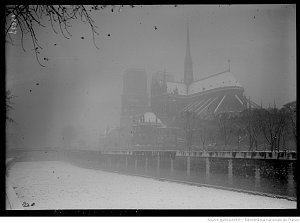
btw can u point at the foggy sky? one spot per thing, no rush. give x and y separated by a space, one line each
82 86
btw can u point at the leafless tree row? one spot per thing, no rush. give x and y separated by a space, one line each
267 129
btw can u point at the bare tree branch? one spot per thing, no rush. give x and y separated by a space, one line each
9 106
29 17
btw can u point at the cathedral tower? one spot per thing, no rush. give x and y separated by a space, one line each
134 97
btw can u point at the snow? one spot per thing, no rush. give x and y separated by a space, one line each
58 185
215 81
225 79
151 117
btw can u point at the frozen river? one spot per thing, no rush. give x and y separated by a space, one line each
59 185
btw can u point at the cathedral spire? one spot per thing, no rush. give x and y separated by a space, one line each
188 64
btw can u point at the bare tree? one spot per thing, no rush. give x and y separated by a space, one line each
203 135
272 124
238 126
8 106
225 125
249 122
29 17
291 112
188 124
205 130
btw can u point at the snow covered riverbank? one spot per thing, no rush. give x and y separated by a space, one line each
58 185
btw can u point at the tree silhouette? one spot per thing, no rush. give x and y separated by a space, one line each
272 123
188 125
29 17
8 106
205 130
225 125
291 111
249 123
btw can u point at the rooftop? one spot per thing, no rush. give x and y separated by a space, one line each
219 80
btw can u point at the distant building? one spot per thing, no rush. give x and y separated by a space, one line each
134 103
149 132
161 75
134 97
159 125
212 94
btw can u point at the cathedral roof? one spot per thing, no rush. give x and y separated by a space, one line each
224 79
219 80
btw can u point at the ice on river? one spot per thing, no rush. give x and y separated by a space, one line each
59 185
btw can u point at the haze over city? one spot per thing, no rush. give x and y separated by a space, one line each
82 86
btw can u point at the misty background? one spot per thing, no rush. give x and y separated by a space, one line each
81 86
